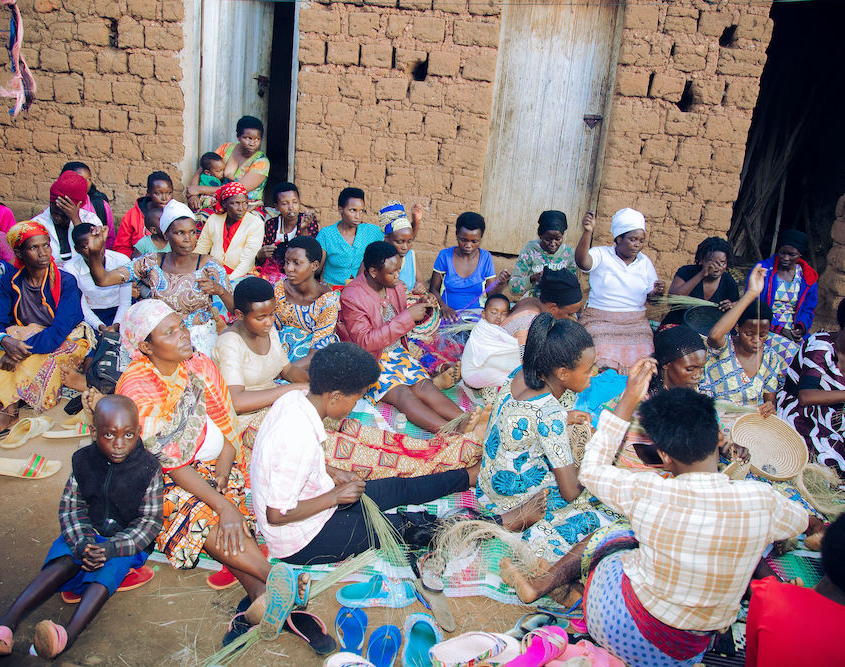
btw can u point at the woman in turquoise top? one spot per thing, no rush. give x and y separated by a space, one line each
346 240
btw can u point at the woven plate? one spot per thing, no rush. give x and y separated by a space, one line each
702 318
777 451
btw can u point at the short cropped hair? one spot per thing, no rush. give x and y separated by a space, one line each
158 176
349 193
75 165
284 187
498 295
377 253
79 232
682 423
252 290
209 159
552 344
249 123
342 367
313 249
470 221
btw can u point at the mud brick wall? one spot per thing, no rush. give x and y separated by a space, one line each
108 75
687 80
362 119
832 281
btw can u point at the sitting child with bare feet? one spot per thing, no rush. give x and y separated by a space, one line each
816 615
110 515
309 512
661 585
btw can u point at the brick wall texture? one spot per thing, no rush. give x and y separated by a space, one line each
108 94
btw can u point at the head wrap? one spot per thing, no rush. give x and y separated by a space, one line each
626 220
139 321
172 211
392 217
16 237
229 190
675 343
559 287
793 237
72 185
551 221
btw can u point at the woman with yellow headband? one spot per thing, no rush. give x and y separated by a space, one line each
41 323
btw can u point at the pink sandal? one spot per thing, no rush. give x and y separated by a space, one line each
597 656
541 646
50 639
7 640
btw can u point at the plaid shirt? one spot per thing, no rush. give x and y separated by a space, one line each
137 536
701 534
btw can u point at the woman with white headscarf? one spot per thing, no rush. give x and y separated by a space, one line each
622 278
185 280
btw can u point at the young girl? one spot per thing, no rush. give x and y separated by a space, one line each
547 250
527 448
154 241
622 278
401 232
741 368
132 227
465 271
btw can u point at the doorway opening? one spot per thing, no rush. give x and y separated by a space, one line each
794 169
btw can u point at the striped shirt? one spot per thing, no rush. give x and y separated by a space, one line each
701 534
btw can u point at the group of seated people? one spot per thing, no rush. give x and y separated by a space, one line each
251 334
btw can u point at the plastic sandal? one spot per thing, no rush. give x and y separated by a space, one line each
281 596
350 626
346 659
7 640
135 578
421 633
530 622
438 604
221 580
80 430
24 430
383 647
470 648
35 467
377 592
540 647
312 629
50 639
237 626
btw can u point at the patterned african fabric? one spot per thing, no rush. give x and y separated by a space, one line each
188 520
785 299
397 367
303 328
725 379
257 162
821 426
526 441
372 453
533 259
784 347
173 409
272 268
621 338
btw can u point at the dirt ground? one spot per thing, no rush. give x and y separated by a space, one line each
176 619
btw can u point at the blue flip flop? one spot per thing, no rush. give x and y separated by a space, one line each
350 626
282 595
383 647
421 633
377 592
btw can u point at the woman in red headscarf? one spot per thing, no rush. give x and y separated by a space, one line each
233 236
41 324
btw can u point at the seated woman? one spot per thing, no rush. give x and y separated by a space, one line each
245 163
345 241
182 278
740 367
375 315
706 279
306 308
546 251
791 290
465 272
97 202
527 447
293 220
401 232
308 511
188 421
813 396
41 324
622 278
233 237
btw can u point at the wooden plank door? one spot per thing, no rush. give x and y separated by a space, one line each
554 66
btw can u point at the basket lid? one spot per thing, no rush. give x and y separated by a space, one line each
777 450
702 318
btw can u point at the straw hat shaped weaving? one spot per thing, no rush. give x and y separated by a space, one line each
777 451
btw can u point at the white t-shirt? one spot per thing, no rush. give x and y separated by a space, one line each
100 298
55 247
618 287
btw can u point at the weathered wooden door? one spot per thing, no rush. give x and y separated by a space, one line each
552 84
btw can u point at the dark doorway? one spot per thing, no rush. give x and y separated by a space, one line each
794 168
279 103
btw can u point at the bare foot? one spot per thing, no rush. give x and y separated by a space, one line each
8 416
447 378
522 583
72 378
471 420
479 432
90 398
814 542
526 514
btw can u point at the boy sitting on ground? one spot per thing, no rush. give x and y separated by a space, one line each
110 515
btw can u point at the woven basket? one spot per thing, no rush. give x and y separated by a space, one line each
777 451
702 318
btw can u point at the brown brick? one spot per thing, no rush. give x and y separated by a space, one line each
142 9
653 207
109 9
339 114
339 170
414 4
319 20
396 25
480 67
141 64
685 124
67 89
742 62
472 98
428 93
690 57
45 141
317 83
173 10
728 159
429 29
695 153
97 90
451 6
466 187
69 143
97 145
363 24
18 139
633 51
680 24
716 187
474 33
82 62
355 146
422 151
673 182
391 89
342 53
408 59
375 118
85 118
758 28
659 151
624 146
733 129
162 152
381 3
46 6
313 140
713 23
162 96
167 68
307 168
142 123
641 17
465 157
742 92
355 86
631 83
312 50
114 120
667 87
111 61
130 33
169 125
707 91
716 216
56 119
165 37
388 148
443 63
53 60
636 119
44 89
376 55
405 122
624 176
126 92
93 32
440 125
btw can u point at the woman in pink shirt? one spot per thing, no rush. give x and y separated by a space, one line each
7 221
